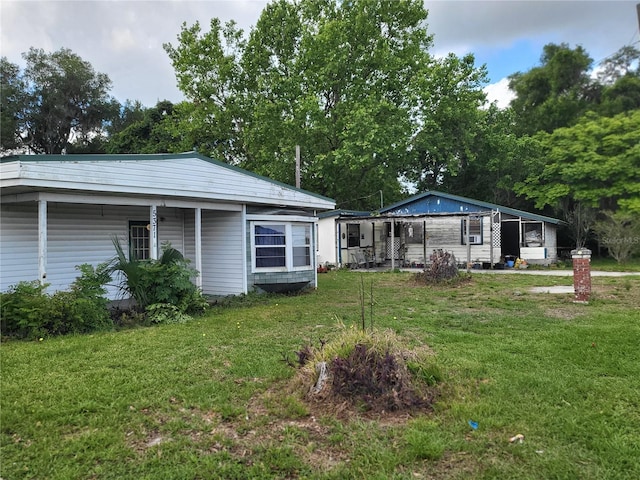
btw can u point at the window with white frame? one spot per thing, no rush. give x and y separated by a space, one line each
475 231
301 236
281 246
139 240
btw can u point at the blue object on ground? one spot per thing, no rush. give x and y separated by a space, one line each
473 424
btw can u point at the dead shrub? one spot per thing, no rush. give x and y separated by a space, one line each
371 371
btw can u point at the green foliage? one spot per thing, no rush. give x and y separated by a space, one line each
25 309
619 232
167 280
596 163
164 313
28 312
352 83
449 123
148 131
12 102
61 94
554 94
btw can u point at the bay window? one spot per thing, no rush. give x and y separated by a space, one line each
281 246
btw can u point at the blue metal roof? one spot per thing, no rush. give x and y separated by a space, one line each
440 202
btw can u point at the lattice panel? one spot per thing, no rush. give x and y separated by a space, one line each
496 238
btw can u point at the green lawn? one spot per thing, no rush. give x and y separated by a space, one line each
212 398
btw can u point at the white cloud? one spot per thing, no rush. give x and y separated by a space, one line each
122 39
499 92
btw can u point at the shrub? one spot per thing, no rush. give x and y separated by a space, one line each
166 280
370 369
443 267
28 312
24 310
163 313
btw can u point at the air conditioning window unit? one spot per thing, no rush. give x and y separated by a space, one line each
475 239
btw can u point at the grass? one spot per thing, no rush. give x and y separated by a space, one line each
210 399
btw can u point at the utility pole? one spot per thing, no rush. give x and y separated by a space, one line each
297 166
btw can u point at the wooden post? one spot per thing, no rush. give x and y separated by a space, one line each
424 244
393 244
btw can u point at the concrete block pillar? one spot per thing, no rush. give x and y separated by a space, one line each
581 274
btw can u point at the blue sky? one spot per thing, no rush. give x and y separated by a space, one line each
124 38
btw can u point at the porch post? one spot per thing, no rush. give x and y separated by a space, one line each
42 241
153 224
468 233
393 244
198 246
424 244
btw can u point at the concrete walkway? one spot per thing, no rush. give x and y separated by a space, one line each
523 271
555 273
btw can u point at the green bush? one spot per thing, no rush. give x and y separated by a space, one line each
163 313
167 280
25 310
28 312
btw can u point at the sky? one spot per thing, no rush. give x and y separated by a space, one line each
124 38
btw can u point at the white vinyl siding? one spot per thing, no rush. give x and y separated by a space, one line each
222 253
18 244
76 234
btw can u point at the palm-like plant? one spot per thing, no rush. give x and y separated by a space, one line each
132 273
167 280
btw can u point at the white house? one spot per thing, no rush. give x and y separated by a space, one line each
240 230
406 233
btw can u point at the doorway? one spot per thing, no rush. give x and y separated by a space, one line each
510 232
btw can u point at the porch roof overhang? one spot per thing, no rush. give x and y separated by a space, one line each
409 217
186 177
91 198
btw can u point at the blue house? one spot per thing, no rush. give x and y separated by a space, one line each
406 233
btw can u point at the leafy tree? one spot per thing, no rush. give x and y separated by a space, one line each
449 118
146 131
625 62
347 81
12 102
556 93
64 99
595 163
622 96
619 232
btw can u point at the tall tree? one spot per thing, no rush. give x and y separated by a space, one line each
65 100
12 104
148 130
449 123
556 93
624 62
595 163
344 80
